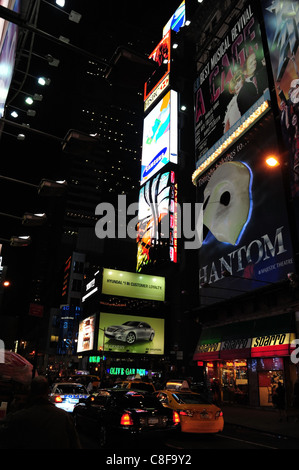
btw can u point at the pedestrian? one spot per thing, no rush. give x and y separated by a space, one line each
279 400
40 424
296 398
216 392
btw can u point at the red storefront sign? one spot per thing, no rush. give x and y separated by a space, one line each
272 345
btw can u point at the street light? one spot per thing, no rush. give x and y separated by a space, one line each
272 161
28 218
52 188
19 241
45 187
34 219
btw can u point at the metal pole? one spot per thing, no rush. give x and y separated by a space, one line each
16 18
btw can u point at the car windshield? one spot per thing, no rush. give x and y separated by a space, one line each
189 399
143 386
131 323
135 400
67 389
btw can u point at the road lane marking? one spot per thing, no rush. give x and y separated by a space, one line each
246 442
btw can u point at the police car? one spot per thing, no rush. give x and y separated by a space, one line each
66 395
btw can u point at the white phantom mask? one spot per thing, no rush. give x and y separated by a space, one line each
226 205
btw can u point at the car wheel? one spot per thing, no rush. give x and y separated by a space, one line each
152 336
131 338
103 436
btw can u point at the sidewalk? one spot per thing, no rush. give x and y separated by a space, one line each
262 420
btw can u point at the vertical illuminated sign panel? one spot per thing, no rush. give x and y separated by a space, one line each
177 20
282 28
157 226
159 80
8 44
160 137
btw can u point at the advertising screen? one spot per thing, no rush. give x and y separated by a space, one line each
86 334
131 334
158 80
160 137
282 28
157 221
8 44
126 284
177 20
246 243
230 83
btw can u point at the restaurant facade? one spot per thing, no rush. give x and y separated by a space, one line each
250 358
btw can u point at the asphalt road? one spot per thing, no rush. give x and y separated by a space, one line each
233 437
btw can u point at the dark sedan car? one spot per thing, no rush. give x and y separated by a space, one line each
113 413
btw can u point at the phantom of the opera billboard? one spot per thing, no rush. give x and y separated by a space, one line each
246 238
231 81
131 334
157 221
282 28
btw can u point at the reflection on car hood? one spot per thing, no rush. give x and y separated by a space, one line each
119 327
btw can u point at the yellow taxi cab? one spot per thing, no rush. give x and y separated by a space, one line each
197 415
136 384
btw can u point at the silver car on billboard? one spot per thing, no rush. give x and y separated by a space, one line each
130 331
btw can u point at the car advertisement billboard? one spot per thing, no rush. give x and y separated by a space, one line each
231 81
157 221
282 29
160 137
131 334
246 242
86 334
126 284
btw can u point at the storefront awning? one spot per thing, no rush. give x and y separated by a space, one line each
266 337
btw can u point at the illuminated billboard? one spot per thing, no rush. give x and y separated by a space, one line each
159 80
157 221
86 334
231 84
160 137
177 20
126 284
8 44
131 334
282 28
243 247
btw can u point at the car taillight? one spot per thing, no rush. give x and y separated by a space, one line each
176 417
219 414
187 413
126 420
58 399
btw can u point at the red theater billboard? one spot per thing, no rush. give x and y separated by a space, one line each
232 81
